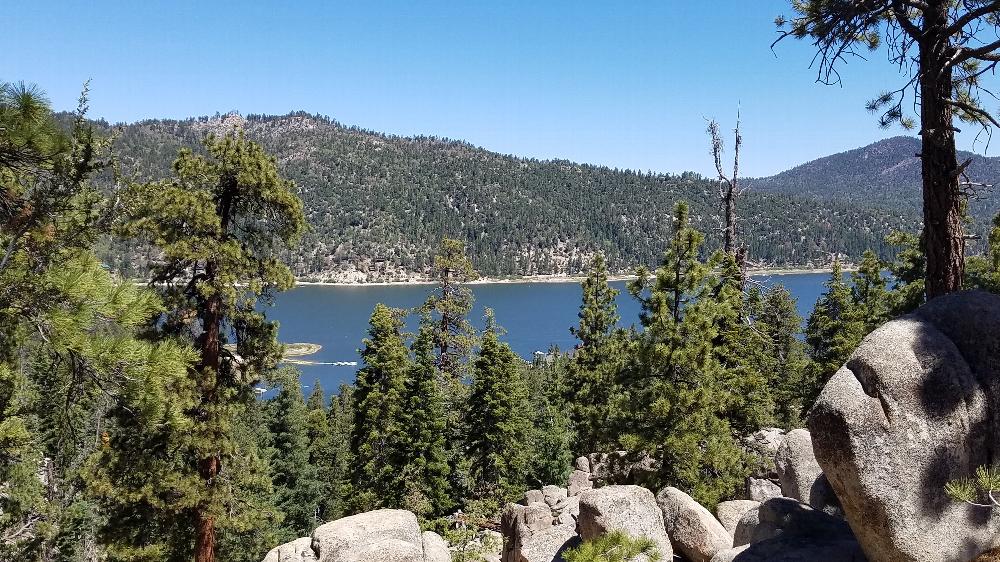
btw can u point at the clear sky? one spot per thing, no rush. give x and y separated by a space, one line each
625 83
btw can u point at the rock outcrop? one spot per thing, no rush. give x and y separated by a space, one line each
386 535
630 509
786 530
796 466
692 529
299 550
916 405
729 513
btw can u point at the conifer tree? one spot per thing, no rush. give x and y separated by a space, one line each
379 440
943 48
426 469
675 399
219 225
552 436
869 293
339 457
779 320
983 272
496 421
908 271
597 359
451 304
297 488
832 333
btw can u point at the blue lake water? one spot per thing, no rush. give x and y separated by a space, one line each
535 315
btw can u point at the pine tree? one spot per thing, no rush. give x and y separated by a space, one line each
451 304
676 400
297 488
219 224
942 47
496 421
379 440
340 419
983 272
596 361
552 436
908 272
869 293
779 320
426 470
832 333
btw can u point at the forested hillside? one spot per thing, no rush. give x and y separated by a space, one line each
884 172
378 204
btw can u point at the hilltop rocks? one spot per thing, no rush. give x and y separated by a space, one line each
692 529
909 411
630 509
760 489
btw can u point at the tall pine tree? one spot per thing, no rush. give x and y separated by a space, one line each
380 434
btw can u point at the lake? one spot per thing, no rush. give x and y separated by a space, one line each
535 316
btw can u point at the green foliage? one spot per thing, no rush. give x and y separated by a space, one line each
551 436
298 490
426 469
785 355
338 457
615 546
380 436
372 197
872 305
218 226
591 377
678 397
496 422
972 490
833 331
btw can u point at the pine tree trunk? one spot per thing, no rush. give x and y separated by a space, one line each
943 232
208 467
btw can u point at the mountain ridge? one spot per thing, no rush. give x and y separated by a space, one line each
378 203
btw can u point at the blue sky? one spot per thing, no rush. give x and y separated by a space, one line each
625 83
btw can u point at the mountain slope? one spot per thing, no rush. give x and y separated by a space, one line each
378 204
887 171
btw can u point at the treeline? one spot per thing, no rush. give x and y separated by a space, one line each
377 205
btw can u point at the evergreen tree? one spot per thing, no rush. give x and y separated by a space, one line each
297 488
451 304
551 438
869 293
908 272
779 320
340 458
597 359
380 434
426 470
219 225
497 425
832 333
676 402
942 47
983 272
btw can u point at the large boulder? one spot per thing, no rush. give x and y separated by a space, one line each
910 411
388 535
528 537
579 481
299 550
785 530
730 512
630 509
692 529
761 489
435 548
796 466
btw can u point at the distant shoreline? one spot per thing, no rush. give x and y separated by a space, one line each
532 279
